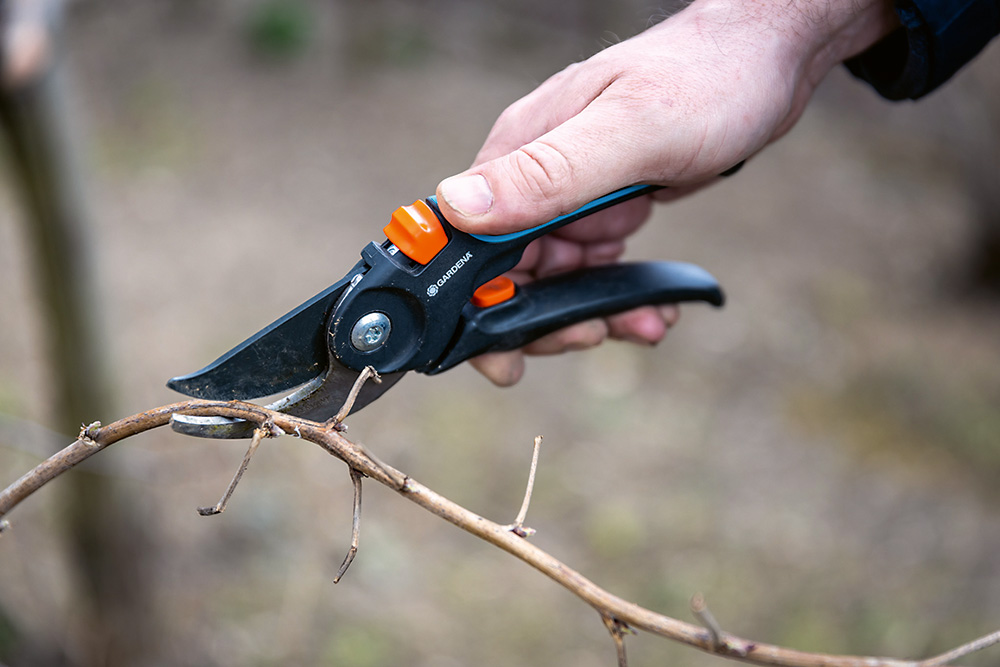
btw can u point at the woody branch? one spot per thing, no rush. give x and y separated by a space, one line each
619 615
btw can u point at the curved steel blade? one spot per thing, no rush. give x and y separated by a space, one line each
317 400
323 398
285 354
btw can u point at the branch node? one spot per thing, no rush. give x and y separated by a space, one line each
89 432
704 615
398 478
4 525
618 629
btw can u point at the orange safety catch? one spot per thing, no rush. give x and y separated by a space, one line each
416 231
495 291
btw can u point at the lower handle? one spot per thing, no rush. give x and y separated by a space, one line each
554 303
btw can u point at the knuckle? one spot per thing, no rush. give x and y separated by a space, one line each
513 115
503 369
544 171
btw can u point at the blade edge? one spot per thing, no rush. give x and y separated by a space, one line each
285 354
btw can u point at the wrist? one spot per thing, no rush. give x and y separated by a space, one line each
852 27
812 36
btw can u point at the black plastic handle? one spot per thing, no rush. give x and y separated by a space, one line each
551 304
424 303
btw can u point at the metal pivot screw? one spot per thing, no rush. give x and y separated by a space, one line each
370 332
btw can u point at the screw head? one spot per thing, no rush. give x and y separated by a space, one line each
370 332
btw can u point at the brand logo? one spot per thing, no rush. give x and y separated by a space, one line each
435 287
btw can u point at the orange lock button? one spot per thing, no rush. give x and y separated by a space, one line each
416 231
495 291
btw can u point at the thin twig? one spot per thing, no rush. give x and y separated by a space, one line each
355 527
965 649
704 615
518 527
220 507
367 373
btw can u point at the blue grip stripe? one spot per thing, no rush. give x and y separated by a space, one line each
585 210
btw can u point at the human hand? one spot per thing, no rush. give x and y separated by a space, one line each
676 105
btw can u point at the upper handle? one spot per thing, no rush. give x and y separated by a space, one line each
525 236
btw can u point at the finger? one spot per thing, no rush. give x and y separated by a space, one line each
676 192
612 223
501 368
644 326
671 314
556 255
598 254
600 234
557 99
577 337
557 173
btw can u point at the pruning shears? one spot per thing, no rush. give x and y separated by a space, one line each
426 299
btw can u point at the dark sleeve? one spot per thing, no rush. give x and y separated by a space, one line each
936 39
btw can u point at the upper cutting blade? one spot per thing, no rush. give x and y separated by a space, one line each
285 354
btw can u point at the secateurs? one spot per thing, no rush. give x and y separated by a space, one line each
426 299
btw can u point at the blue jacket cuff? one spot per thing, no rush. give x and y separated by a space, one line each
936 39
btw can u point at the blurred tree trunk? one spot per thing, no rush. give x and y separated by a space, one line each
105 537
982 177
971 130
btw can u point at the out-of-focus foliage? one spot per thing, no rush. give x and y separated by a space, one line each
280 28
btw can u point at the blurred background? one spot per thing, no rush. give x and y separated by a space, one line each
820 458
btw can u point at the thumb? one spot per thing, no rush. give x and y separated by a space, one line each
576 162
